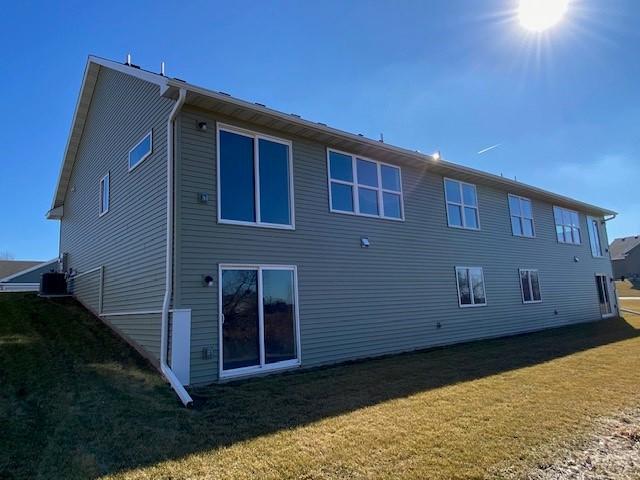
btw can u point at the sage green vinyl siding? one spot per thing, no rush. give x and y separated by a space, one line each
129 240
397 295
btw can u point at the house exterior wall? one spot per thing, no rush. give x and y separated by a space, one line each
397 295
629 267
129 240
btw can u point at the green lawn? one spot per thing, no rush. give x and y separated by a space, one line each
627 288
77 403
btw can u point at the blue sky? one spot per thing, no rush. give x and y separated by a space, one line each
452 75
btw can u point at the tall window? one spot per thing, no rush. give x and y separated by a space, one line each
104 195
258 318
471 291
462 204
255 185
594 237
521 216
567 225
364 187
141 151
530 285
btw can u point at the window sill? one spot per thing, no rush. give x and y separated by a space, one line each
354 214
474 305
254 224
464 228
257 370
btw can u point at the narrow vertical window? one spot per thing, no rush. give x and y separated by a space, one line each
104 195
471 291
567 225
462 204
594 237
364 187
530 285
254 179
521 213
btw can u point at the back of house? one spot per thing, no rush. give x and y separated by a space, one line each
293 244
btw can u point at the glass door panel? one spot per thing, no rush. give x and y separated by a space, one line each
603 295
240 321
279 315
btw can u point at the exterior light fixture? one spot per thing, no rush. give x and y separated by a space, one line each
202 126
208 281
364 242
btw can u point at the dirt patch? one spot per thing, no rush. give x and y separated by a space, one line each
611 451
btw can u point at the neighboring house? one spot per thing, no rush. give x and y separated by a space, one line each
228 239
625 257
23 276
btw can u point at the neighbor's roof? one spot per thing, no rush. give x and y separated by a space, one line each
621 246
289 123
8 268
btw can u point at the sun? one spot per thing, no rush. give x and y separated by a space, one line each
539 15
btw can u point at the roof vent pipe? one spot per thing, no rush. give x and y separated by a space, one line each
162 68
164 338
128 60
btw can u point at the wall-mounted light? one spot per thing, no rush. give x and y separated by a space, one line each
208 281
364 242
203 197
202 126
576 259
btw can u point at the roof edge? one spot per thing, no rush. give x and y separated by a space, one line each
28 270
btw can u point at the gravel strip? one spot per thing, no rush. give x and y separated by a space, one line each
612 451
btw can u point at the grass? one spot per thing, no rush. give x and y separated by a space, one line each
627 288
77 403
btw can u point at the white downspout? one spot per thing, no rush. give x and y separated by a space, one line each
164 344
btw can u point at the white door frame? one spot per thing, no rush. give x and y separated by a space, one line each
263 367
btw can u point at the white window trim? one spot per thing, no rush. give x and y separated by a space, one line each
555 225
533 223
472 304
146 155
590 227
263 367
106 180
462 205
354 187
256 173
520 270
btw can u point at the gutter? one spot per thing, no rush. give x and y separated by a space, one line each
185 398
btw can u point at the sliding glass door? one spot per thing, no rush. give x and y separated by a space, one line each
604 298
258 318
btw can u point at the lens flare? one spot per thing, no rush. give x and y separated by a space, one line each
539 15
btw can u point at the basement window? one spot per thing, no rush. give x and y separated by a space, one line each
471 291
141 151
530 285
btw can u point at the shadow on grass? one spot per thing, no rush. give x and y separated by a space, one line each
82 404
